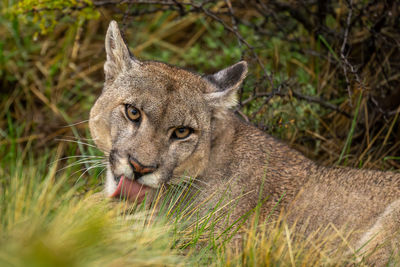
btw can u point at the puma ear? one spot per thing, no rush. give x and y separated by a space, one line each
118 56
224 85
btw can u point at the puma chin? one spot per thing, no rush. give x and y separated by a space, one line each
145 122
112 180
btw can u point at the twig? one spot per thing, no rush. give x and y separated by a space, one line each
300 96
343 57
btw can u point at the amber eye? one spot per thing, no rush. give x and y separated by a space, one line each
132 113
182 132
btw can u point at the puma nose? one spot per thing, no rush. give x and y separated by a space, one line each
139 168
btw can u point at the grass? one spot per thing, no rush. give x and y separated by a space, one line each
46 222
43 225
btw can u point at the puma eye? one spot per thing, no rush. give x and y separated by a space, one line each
132 113
182 132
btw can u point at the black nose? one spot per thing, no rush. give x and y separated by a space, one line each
140 169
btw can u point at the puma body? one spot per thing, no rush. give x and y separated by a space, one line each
157 123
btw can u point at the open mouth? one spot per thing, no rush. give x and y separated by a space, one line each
130 190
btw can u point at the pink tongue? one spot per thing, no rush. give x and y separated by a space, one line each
131 190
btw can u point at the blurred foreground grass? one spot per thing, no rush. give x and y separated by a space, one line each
44 223
47 222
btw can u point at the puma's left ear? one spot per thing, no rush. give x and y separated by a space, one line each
118 56
224 85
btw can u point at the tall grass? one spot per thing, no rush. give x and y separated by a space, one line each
47 222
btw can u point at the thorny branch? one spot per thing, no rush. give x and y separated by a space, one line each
345 62
310 99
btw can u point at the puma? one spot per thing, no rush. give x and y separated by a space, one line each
156 123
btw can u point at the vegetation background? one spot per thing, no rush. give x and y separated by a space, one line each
324 77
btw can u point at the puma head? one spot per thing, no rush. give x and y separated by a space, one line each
153 120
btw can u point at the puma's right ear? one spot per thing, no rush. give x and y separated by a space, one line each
222 94
118 56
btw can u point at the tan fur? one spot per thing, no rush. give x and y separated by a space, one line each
230 157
